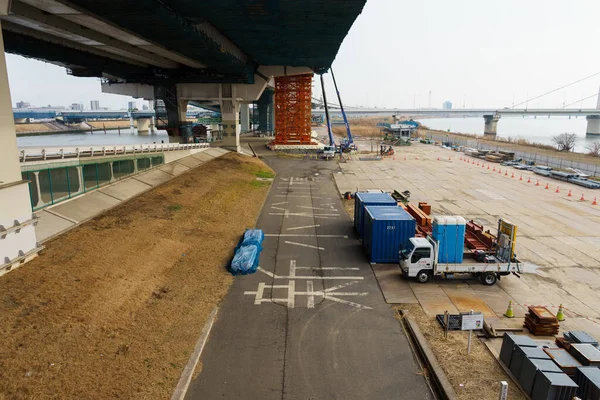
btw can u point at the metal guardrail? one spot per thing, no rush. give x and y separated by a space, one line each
99 151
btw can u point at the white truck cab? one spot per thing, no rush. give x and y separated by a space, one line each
418 255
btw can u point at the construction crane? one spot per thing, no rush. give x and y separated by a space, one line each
348 144
328 151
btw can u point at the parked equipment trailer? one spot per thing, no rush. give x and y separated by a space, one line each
419 259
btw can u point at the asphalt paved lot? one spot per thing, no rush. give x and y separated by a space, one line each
312 322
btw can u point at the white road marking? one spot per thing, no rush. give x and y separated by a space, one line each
305 245
310 299
310 293
317 208
300 235
303 227
280 203
303 214
279 208
303 197
274 276
330 268
292 268
291 294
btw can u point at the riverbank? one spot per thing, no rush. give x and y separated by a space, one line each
114 307
540 149
52 128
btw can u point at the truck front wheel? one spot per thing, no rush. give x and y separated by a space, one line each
488 278
423 276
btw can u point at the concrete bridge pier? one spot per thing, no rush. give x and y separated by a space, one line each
143 126
245 117
18 241
593 125
21 120
491 124
230 111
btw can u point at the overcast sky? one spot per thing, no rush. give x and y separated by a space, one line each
482 53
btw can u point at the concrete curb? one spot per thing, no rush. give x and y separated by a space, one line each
438 376
188 371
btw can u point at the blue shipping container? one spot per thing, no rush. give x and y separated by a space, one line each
362 199
386 229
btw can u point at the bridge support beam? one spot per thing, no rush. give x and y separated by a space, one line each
593 125
18 245
491 124
143 126
245 117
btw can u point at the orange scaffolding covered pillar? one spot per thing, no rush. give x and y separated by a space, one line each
293 109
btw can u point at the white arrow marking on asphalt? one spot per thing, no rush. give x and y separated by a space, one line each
317 208
274 276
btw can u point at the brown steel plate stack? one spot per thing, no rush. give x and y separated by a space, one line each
540 321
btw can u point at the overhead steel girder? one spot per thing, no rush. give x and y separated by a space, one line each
152 20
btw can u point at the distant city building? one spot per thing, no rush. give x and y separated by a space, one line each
447 105
145 107
132 105
77 106
23 104
94 105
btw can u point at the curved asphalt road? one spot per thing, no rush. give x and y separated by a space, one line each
312 323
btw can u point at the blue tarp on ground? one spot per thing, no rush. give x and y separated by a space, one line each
247 253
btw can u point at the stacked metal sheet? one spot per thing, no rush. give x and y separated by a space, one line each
529 369
585 353
553 386
564 360
588 380
540 321
520 354
580 337
509 341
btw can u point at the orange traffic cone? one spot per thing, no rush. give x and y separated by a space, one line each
557 190
473 161
488 166
513 175
404 158
506 173
569 195
521 177
483 165
460 158
499 171
438 159
528 179
417 157
582 198
494 168
449 158
594 202
547 187
537 183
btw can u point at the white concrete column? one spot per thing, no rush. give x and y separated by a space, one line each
245 117
36 175
15 203
80 178
593 125
143 126
131 123
231 126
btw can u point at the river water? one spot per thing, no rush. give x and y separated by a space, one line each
98 138
540 130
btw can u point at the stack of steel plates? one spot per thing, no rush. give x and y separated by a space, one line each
588 380
529 370
580 337
564 360
520 354
553 386
540 321
509 341
585 353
